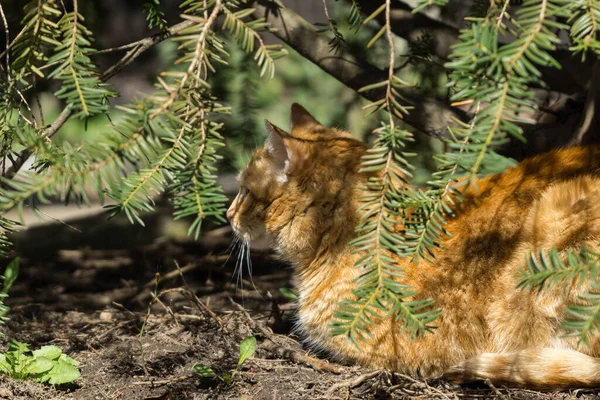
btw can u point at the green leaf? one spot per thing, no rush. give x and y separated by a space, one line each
4 365
38 365
49 352
62 372
69 360
288 293
10 274
247 349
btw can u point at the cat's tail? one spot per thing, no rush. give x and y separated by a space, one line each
538 368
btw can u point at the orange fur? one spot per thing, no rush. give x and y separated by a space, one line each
301 191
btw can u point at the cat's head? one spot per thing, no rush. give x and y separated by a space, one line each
297 185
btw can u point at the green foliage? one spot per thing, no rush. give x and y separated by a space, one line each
40 30
582 267
495 80
47 364
380 291
154 15
247 349
246 33
355 18
165 142
420 5
6 226
287 293
81 84
8 279
584 24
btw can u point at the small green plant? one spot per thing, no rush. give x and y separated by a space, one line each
46 365
247 349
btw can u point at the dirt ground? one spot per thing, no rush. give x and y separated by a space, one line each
93 300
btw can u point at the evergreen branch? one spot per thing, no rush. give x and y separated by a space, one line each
502 14
529 39
338 39
155 16
549 269
379 287
39 31
73 48
355 19
46 134
152 172
585 23
423 4
7 226
582 267
139 47
584 320
499 105
246 33
171 163
81 84
7 38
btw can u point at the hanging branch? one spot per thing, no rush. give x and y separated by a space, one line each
379 289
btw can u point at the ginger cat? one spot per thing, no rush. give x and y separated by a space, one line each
301 191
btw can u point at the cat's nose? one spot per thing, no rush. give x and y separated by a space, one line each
229 214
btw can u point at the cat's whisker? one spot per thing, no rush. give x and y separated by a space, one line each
249 266
231 248
238 264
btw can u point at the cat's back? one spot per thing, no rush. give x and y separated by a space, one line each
549 201
490 219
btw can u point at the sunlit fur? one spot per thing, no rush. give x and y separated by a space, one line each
301 192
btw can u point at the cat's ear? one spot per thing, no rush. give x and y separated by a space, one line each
286 151
302 119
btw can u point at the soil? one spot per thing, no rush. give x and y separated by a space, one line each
138 324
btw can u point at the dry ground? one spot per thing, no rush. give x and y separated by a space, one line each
93 302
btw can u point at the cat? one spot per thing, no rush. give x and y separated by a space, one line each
301 192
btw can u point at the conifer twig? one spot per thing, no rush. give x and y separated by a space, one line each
139 47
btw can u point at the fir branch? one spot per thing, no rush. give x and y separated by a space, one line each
420 5
549 269
81 84
355 18
7 227
39 32
582 267
189 87
585 23
584 316
154 15
246 33
7 38
500 77
379 290
338 39
138 48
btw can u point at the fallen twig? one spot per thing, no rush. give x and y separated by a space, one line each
190 295
498 393
353 382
